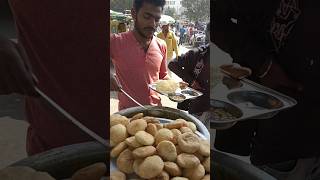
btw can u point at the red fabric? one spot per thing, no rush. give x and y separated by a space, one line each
66 42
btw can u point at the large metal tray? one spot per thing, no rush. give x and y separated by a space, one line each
253 100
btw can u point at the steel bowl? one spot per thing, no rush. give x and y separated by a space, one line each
217 123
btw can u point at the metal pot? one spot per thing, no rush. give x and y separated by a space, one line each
63 162
168 113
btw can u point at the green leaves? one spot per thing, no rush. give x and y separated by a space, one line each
196 10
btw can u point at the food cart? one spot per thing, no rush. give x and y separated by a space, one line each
62 162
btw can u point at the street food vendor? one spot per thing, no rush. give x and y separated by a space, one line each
139 58
66 51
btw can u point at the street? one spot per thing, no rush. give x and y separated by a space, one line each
13 130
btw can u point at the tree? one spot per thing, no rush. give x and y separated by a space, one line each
170 12
196 10
120 5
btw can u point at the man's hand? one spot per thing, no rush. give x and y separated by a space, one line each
195 85
15 75
277 79
183 85
114 84
167 77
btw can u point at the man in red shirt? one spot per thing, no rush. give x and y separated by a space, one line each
138 56
65 42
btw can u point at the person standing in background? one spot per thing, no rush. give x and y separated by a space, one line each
122 27
190 31
170 39
182 35
114 26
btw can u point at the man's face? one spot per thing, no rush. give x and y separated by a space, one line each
165 28
147 19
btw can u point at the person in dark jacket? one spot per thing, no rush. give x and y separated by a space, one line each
278 41
194 68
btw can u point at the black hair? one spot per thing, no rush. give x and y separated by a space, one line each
137 4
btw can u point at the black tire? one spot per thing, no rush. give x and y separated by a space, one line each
225 167
63 162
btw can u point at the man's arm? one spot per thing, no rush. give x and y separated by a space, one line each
164 71
243 39
234 25
183 65
15 75
114 86
163 74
